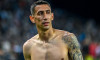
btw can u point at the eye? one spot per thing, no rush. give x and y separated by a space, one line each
40 13
48 12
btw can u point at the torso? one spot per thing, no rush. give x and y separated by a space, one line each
54 49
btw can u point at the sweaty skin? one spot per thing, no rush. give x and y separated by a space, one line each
62 46
50 43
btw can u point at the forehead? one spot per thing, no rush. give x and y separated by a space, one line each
42 7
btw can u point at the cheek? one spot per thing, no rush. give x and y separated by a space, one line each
38 18
49 16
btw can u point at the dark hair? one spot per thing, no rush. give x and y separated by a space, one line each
39 2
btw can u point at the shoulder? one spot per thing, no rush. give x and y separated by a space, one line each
61 32
66 35
27 45
70 39
69 36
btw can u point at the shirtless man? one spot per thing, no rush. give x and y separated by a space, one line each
49 43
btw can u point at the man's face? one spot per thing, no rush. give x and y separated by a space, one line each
43 16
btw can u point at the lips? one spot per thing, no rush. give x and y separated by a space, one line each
45 23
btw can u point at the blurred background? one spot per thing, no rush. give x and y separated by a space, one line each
80 17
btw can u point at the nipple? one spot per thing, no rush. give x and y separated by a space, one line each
62 58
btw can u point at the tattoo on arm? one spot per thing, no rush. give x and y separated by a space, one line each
73 47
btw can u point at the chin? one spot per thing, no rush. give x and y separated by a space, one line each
46 28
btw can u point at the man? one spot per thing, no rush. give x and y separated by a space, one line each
49 43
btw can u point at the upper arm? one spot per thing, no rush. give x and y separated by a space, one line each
26 51
73 47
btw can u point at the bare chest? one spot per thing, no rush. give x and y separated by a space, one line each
55 50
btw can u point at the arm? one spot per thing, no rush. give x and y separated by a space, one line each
26 52
73 47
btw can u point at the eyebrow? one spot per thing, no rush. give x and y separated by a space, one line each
43 10
47 10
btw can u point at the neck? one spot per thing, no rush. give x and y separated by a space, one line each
46 35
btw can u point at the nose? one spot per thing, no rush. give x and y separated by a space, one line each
45 16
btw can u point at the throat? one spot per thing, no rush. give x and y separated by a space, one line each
46 36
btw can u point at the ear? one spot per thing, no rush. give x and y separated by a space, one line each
32 19
52 16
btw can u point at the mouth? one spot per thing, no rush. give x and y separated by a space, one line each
45 23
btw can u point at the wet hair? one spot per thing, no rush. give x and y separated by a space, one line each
39 2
